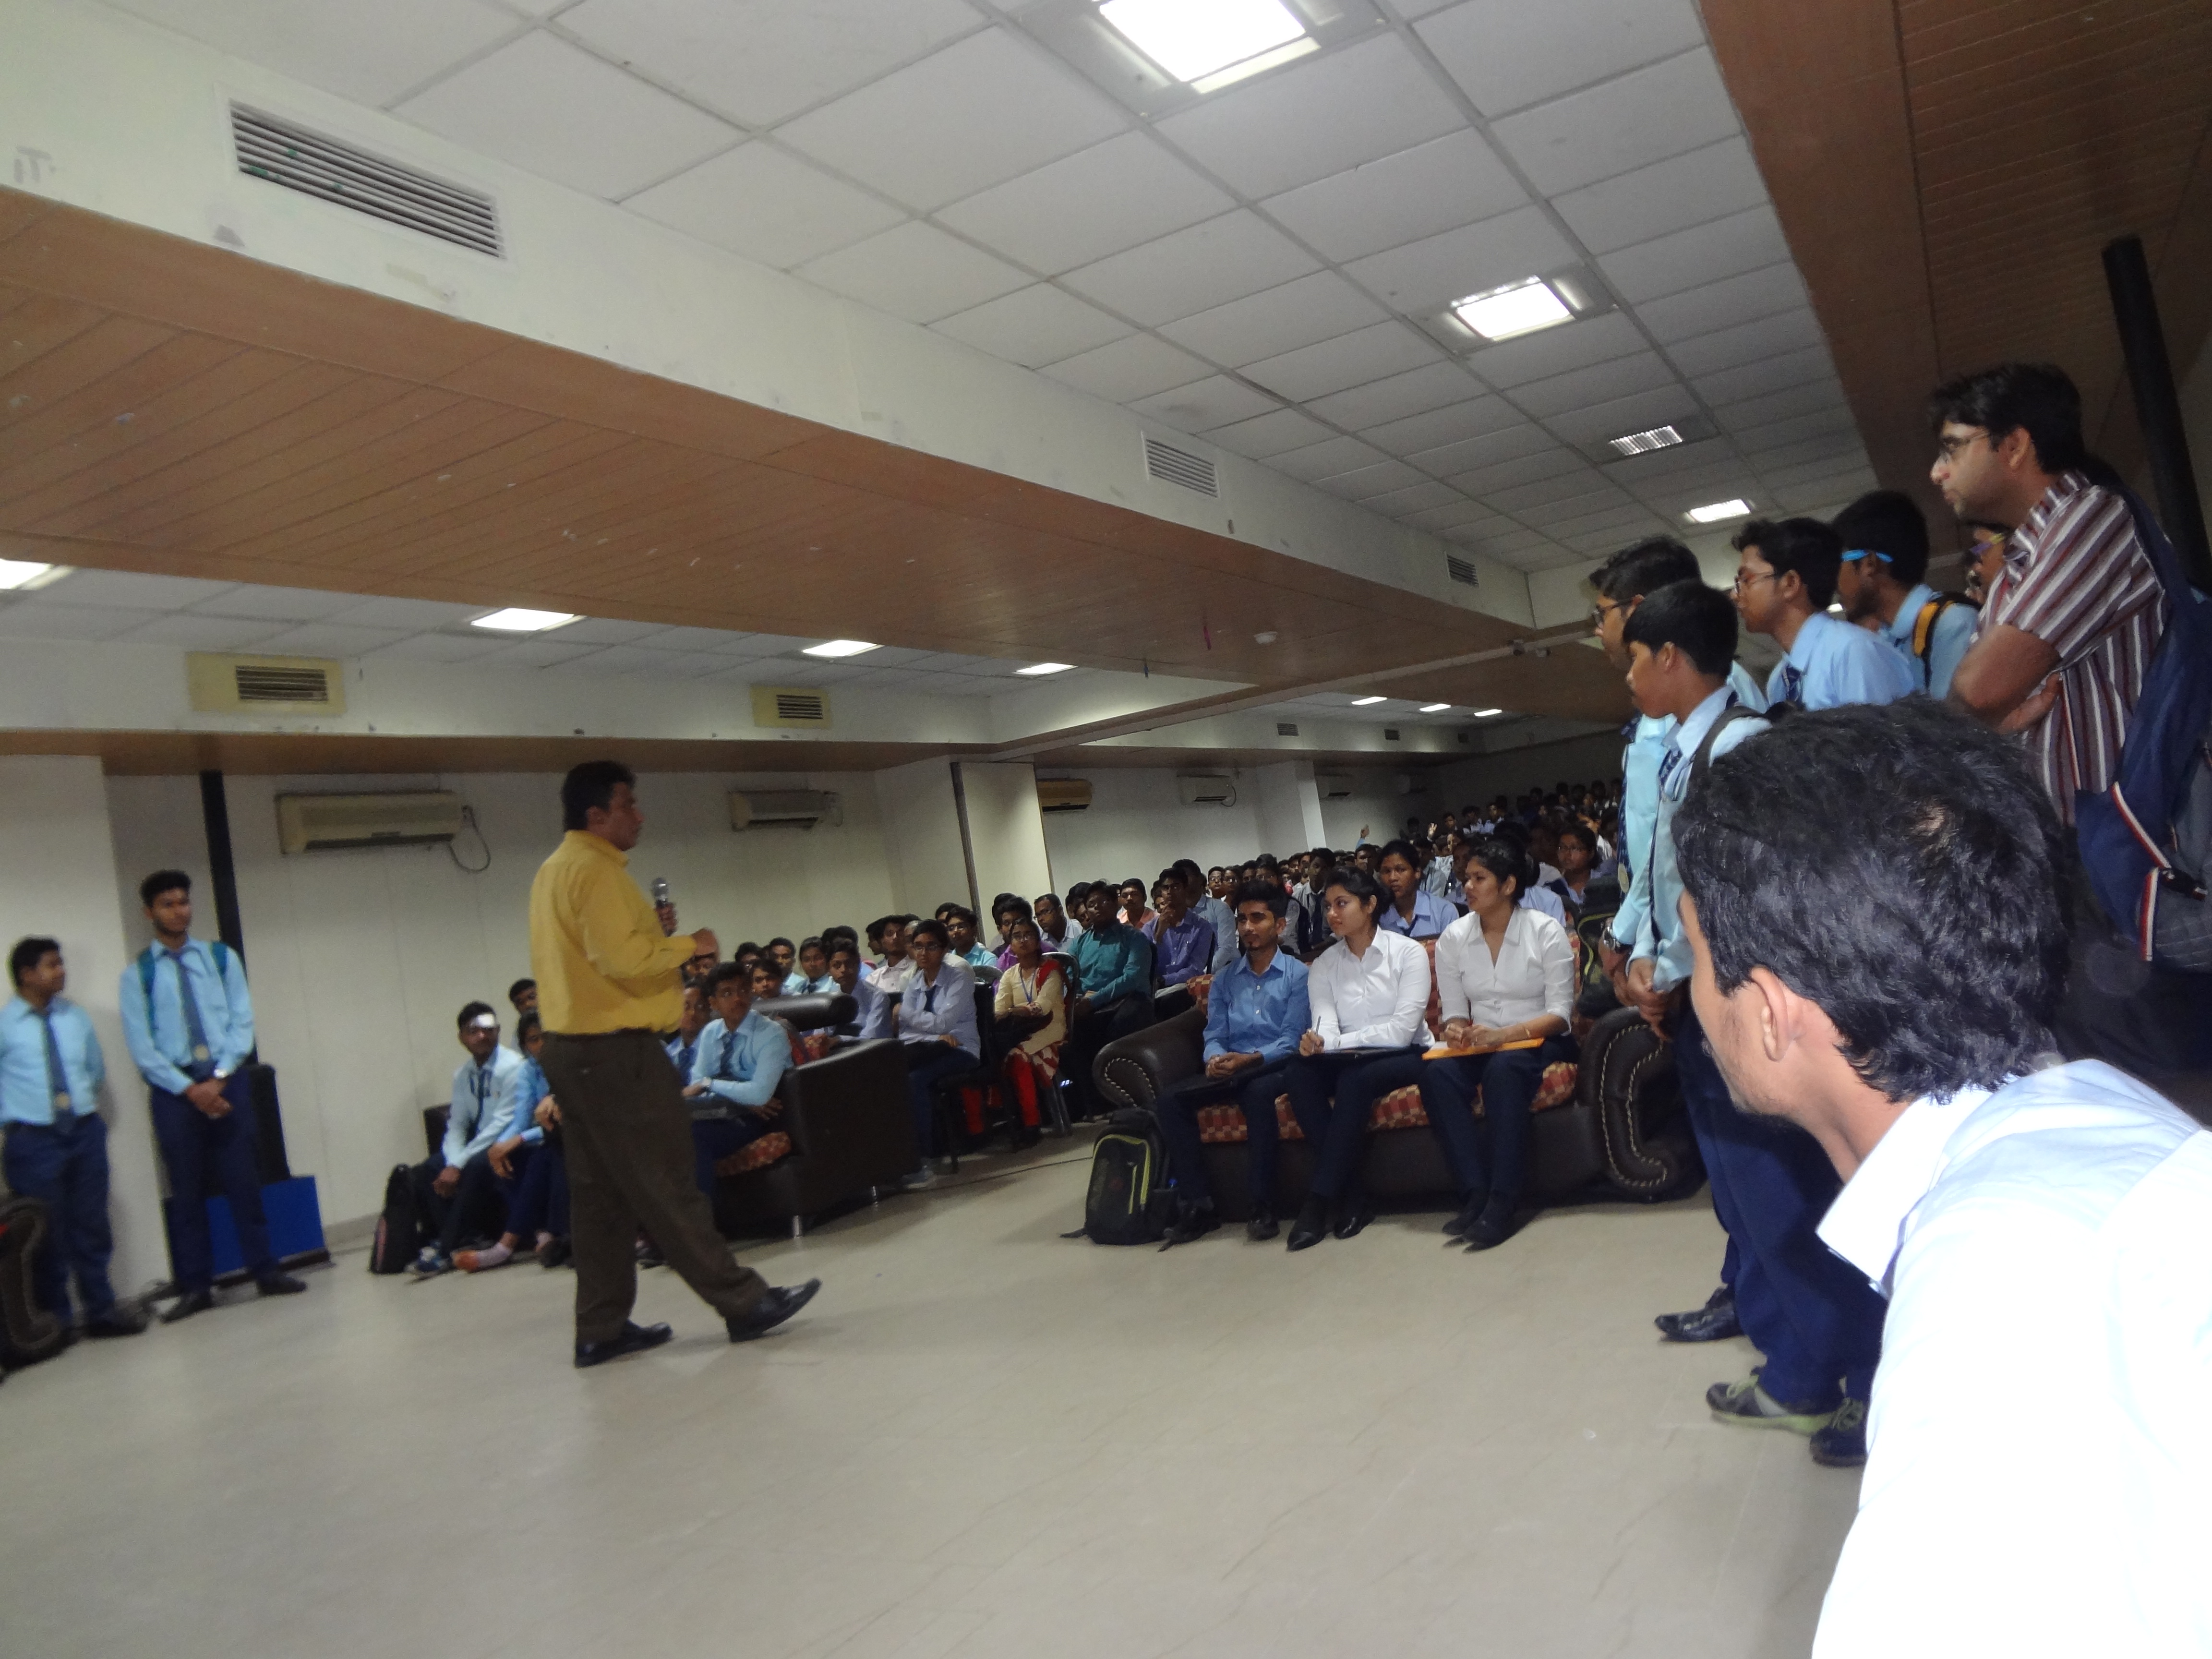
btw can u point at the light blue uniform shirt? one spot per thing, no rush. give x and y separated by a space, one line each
1639 802
483 1104
1659 935
926 1012
798 985
874 1011
27 1091
1832 663
1432 916
528 1089
156 1037
1263 1014
1947 641
1223 920
740 1067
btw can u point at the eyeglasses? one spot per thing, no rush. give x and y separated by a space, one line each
1744 579
1598 611
1949 448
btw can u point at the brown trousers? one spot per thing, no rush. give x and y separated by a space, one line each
627 1129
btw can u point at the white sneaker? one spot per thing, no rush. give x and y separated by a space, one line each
916 1180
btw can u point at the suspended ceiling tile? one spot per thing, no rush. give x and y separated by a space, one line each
195 633
759 61
1582 485
275 604
1789 368
1103 200
539 654
1621 377
133 590
1327 459
1742 242
330 640
1456 179
914 270
600 630
1216 401
1454 514
1747 342
1414 393
1270 435
442 647
1471 419
1332 112
1644 116
1672 195
1425 277
1842 448
1303 312
1362 481
1815 397
1350 359
1775 434
1506 444
1557 351
1639 413
370 54
974 114
1191 270
1128 369
551 109
1033 326
1506 54
30 619
1483 481
758 201
1723 305
1396 503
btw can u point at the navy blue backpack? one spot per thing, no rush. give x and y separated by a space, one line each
2147 841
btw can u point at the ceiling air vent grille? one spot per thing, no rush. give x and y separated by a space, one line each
331 170
1459 569
1179 466
1285 729
1390 734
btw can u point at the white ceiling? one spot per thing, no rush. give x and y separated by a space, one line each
1252 268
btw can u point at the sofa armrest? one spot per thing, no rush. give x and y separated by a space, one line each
849 1101
1133 1070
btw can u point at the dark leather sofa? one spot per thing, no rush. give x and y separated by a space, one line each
1620 1133
848 1123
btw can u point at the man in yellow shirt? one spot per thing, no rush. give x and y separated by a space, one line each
608 986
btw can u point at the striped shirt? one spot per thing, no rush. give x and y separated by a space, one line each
2076 577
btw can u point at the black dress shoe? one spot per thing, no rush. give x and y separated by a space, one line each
1261 1227
1312 1225
1457 1226
190 1303
118 1321
1027 1136
1491 1226
778 1304
1192 1222
1354 1220
635 1338
280 1284
1714 1322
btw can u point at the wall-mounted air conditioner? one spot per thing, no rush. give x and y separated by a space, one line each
1207 789
783 809
320 823
1063 795
1332 786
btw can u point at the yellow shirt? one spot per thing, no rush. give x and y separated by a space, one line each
596 948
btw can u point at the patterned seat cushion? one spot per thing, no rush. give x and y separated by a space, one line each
1398 1109
755 1155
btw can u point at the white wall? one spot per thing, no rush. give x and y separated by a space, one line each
1510 771
1005 832
925 862
61 883
360 960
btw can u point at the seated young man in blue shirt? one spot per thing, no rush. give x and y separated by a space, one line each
1254 1014
1182 940
1114 985
457 1189
742 1056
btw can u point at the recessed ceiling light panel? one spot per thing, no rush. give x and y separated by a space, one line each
519 619
18 574
1518 308
1434 708
1643 443
1484 713
1367 702
840 648
1200 41
1714 511
1040 668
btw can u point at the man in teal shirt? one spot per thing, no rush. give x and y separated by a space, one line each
1114 973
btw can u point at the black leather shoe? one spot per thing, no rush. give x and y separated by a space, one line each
1261 1227
1491 1226
118 1321
1026 1137
190 1303
649 1255
1714 1322
780 1302
1312 1225
1457 1226
1192 1222
1354 1220
280 1284
635 1338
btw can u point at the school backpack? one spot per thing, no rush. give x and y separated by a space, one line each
1924 630
400 1227
152 954
1129 1202
29 1333
2146 841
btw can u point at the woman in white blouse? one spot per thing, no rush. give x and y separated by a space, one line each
1504 974
1368 992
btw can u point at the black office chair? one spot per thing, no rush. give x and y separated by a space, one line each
987 1074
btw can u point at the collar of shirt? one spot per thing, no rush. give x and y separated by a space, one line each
1699 720
1908 615
1866 1223
2024 543
1274 968
1811 641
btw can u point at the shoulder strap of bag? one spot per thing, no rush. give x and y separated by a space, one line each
1701 761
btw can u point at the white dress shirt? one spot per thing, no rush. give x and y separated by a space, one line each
1533 974
1374 1001
2039 1449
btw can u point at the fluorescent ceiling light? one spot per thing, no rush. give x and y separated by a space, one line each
1046 668
1523 307
516 619
1365 702
1643 443
1484 713
20 572
1714 511
1210 43
1434 708
840 648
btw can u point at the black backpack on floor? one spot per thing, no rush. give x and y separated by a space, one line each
29 1333
1129 1202
399 1228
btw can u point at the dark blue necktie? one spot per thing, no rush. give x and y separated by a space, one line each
929 999
57 1074
1793 681
202 1059
729 1041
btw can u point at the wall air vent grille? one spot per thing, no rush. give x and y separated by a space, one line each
790 705
1459 569
1179 466
332 170
1285 729
267 685
1390 734
224 685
